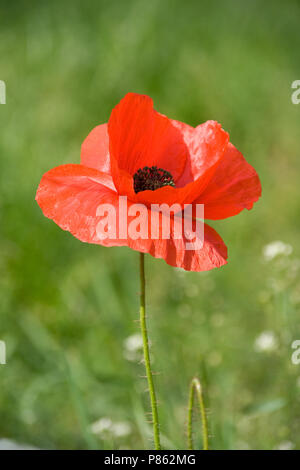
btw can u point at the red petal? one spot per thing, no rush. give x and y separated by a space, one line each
206 145
213 253
235 186
139 137
71 195
95 149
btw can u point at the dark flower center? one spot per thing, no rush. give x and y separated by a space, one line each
151 178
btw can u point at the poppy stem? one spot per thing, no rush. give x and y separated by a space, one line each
147 354
196 389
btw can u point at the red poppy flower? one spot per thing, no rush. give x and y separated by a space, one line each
150 159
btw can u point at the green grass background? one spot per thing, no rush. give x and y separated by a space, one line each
66 307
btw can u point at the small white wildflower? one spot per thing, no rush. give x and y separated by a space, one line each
121 429
276 248
266 341
8 444
102 426
286 445
134 342
133 346
105 426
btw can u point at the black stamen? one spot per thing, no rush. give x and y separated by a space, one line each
151 179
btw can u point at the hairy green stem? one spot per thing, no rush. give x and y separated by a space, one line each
196 389
147 354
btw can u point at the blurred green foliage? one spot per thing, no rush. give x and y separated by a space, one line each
66 307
